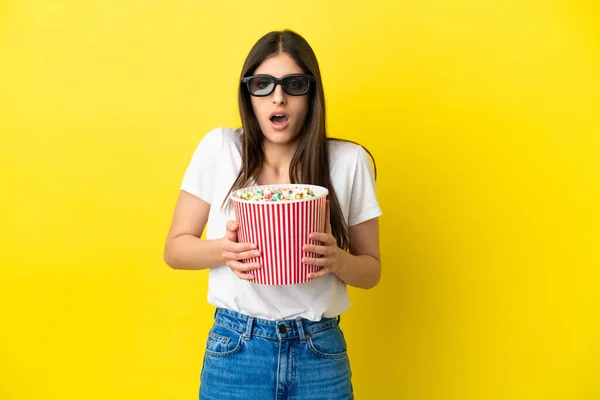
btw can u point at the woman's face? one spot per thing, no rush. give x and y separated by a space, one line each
280 130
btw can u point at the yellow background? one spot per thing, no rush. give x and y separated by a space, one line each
482 116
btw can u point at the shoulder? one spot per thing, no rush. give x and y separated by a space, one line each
231 134
223 133
347 152
221 137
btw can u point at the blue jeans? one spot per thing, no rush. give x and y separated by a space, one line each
251 358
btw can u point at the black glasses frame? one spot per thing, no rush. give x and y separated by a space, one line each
278 81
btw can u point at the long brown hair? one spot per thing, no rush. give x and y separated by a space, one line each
310 163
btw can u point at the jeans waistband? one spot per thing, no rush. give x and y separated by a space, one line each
299 328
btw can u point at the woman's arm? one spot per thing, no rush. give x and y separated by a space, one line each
183 248
362 266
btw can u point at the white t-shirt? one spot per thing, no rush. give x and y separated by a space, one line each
209 176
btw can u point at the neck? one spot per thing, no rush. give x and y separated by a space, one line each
276 168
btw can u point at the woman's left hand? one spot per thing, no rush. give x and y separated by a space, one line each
331 261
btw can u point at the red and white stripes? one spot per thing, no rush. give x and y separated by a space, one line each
279 230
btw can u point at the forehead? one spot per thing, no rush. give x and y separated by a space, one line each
279 65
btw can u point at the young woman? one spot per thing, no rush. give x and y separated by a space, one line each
277 342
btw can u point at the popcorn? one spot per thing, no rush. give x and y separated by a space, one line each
278 218
280 194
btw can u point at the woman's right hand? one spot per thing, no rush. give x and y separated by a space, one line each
232 252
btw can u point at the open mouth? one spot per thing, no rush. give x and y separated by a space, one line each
279 119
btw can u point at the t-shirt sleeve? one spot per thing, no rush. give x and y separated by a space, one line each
199 177
363 201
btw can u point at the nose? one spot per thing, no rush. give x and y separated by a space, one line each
278 95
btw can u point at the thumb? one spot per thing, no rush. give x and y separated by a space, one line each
231 229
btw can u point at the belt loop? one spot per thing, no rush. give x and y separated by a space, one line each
301 332
248 333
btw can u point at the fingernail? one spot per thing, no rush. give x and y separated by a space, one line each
252 246
257 253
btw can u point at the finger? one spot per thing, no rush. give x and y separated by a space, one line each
311 248
322 237
328 219
319 274
238 266
319 262
239 255
234 247
244 275
232 225
231 229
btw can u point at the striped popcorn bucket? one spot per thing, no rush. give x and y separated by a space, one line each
280 229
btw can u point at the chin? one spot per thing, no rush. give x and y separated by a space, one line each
279 140
279 137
